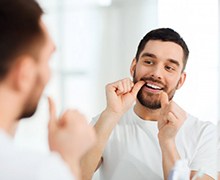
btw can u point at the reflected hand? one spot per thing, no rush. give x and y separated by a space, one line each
69 135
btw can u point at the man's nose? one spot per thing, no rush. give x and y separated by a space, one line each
157 72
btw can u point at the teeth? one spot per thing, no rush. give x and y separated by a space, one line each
154 86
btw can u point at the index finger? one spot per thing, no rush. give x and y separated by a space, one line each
164 99
52 111
137 87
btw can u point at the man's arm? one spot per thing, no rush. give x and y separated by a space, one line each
120 96
93 159
171 119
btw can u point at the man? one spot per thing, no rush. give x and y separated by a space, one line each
25 49
145 140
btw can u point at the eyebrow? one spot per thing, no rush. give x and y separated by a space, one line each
148 55
174 62
154 56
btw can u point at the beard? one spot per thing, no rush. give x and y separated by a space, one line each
150 100
30 111
32 100
30 107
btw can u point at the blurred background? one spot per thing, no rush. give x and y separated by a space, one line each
96 41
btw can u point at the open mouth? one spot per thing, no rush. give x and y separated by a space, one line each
153 86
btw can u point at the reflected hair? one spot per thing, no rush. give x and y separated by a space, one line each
20 31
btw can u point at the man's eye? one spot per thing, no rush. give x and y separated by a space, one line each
169 68
148 62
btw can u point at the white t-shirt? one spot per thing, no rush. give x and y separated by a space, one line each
19 165
133 150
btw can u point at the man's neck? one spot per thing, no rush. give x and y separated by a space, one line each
10 130
8 111
146 113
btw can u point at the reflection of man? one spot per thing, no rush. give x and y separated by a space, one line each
145 140
25 49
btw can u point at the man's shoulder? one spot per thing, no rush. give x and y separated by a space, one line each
194 121
195 126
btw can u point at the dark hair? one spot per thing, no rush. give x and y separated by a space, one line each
164 34
20 31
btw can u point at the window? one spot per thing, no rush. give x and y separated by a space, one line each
197 21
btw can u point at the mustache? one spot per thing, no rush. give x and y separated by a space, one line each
145 79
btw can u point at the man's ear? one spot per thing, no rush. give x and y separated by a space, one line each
23 73
133 67
181 80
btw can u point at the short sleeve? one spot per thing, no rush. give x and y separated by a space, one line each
205 157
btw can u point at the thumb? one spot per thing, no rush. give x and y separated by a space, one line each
137 87
52 114
164 99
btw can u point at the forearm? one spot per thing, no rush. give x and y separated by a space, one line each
103 128
75 169
169 156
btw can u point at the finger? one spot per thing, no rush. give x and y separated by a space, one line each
123 86
126 84
177 111
52 113
164 100
174 121
119 88
171 118
137 87
131 85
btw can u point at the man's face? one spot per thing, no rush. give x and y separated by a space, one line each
42 75
160 65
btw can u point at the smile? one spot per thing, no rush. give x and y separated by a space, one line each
153 86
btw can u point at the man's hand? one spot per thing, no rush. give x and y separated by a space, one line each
172 118
70 136
121 95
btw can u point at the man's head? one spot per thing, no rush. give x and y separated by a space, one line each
160 61
25 47
164 34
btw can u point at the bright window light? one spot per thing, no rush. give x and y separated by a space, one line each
104 2
197 21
